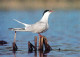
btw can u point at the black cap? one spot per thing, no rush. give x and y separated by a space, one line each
45 11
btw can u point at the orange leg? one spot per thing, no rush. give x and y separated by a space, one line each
40 35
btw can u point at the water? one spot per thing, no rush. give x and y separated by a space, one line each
63 33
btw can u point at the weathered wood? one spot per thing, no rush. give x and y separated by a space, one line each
30 46
42 40
40 43
47 46
46 51
14 46
35 43
14 43
2 42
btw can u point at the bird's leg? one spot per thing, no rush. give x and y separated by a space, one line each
40 35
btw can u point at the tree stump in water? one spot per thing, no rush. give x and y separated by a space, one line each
14 46
2 42
42 41
47 46
31 46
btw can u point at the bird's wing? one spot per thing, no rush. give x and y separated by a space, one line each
22 23
38 25
17 29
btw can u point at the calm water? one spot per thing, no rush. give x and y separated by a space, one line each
63 33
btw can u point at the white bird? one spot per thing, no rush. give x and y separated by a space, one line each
39 27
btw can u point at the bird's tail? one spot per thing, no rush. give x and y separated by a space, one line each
17 29
21 23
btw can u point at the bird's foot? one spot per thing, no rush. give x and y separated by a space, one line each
40 35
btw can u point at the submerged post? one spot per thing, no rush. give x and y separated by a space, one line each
42 40
30 48
14 43
14 46
47 46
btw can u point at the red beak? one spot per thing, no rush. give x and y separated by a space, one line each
50 11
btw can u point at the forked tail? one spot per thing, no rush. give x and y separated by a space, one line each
21 23
20 29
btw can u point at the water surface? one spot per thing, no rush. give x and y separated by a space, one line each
63 33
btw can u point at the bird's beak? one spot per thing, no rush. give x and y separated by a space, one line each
51 11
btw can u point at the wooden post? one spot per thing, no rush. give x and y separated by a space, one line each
30 48
14 43
3 42
47 46
40 43
42 40
14 46
35 43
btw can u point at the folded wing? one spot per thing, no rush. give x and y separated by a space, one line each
17 29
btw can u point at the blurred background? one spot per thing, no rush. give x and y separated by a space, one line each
39 4
63 32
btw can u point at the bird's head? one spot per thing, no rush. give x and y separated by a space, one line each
47 12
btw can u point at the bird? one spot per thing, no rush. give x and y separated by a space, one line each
38 27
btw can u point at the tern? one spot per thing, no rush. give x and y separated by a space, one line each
38 27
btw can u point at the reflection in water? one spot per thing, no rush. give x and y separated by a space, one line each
14 53
30 51
41 53
35 54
